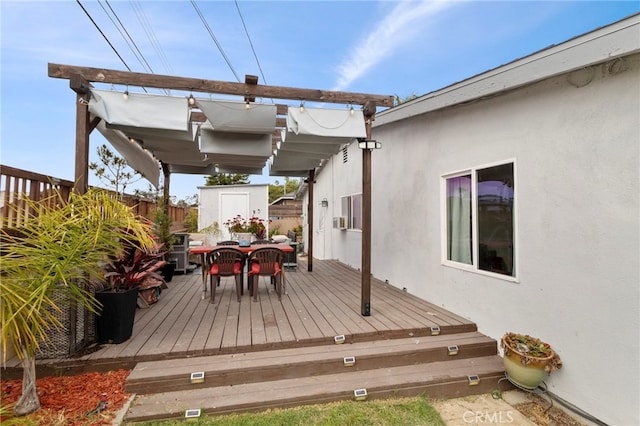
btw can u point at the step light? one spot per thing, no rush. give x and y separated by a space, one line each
473 379
339 339
349 361
197 377
435 331
452 350
360 394
192 413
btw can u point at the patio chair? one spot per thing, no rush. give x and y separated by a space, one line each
266 261
225 262
228 243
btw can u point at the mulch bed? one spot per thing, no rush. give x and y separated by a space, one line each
74 400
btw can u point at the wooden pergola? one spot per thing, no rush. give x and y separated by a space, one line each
81 79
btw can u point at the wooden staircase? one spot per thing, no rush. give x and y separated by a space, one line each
440 366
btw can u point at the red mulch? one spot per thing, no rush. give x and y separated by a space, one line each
73 397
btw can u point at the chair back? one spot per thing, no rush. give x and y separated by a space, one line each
225 261
269 260
228 243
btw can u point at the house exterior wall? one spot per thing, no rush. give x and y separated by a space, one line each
336 179
211 207
575 143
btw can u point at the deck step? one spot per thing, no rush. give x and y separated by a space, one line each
440 379
235 369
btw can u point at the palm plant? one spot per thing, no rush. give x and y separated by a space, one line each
58 248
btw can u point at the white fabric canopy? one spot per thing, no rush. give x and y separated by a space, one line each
229 116
321 125
216 142
141 111
234 139
133 153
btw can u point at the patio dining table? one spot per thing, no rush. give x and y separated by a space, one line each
203 251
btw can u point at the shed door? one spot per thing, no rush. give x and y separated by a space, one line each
233 204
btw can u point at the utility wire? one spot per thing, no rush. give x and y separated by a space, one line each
215 40
251 43
127 37
144 22
103 35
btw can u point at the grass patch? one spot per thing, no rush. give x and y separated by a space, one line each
394 411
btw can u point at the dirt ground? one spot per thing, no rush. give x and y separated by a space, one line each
535 409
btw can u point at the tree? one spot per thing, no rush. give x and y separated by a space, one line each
399 100
113 171
227 179
56 251
277 190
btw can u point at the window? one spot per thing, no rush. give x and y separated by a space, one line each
479 211
356 211
351 211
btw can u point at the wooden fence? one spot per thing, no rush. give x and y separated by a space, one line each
17 186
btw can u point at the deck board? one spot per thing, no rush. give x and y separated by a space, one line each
315 307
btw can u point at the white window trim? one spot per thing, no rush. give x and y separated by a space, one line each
348 218
474 228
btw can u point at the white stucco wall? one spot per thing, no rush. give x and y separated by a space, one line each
576 154
336 179
211 209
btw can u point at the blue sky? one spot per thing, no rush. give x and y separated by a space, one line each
381 47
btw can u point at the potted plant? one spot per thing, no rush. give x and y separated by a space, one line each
58 248
239 227
134 273
528 360
162 232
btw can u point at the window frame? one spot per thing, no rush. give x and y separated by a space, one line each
474 266
347 211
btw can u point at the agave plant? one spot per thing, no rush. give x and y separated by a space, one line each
58 248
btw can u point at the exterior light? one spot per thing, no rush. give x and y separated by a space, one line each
192 100
369 144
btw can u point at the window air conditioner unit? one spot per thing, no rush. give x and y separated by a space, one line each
340 222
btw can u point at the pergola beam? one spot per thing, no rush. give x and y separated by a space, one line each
102 75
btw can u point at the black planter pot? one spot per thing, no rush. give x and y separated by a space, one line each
168 270
115 323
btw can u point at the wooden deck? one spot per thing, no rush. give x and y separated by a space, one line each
317 306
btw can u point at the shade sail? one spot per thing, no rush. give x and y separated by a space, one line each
321 125
215 142
233 139
235 117
141 111
133 153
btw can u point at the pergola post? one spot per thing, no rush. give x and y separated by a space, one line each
81 176
365 304
310 182
166 182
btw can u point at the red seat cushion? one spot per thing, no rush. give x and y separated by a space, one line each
255 268
236 269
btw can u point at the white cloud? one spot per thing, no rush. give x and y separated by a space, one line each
399 26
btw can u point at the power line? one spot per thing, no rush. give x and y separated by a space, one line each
215 40
103 35
251 43
127 37
144 22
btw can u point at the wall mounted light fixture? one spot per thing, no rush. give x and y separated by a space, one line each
324 202
368 144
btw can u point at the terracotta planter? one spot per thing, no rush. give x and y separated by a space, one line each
525 370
